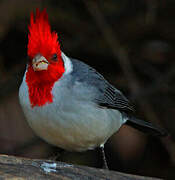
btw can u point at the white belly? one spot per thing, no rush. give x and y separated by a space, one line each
71 125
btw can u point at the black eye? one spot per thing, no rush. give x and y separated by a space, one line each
54 57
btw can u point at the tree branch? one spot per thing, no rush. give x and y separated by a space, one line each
22 168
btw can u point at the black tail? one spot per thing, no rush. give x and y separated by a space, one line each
145 126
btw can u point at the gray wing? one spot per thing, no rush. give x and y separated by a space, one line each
107 96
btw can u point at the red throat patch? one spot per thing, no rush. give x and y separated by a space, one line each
42 41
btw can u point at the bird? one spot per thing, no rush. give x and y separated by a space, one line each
66 102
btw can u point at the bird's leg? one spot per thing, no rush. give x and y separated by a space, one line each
54 157
56 153
105 164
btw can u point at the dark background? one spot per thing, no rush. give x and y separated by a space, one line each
131 43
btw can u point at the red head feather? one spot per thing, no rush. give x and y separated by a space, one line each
41 39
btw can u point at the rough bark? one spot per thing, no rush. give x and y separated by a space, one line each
22 168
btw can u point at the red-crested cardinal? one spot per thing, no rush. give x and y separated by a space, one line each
66 102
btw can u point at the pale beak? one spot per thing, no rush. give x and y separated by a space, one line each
39 63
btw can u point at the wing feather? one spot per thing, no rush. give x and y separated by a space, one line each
107 96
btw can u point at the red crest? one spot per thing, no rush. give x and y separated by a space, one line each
40 38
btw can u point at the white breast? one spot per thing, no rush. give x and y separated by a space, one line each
68 122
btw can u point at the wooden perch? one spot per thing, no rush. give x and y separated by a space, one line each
22 168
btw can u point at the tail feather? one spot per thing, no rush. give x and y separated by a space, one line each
145 126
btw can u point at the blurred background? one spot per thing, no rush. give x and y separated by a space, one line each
132 43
